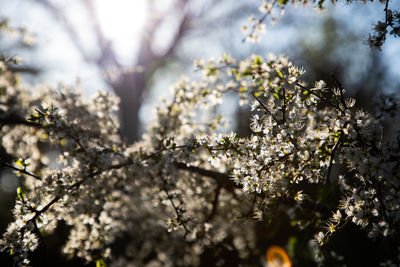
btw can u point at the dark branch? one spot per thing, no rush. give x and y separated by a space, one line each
24 69
266 109
320 97
222 179
332 156
214 204
14 119
5 164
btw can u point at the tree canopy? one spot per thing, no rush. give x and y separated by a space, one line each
315 172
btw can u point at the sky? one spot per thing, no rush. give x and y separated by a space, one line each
123 20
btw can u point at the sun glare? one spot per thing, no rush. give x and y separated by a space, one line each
121 21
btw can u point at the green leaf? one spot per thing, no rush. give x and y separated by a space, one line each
20 194
242 89
247 72
320 3
101 263
238 77
292 244
279 74
257 94
205 92
257 61
212 71
20 163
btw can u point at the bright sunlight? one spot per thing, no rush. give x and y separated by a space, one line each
122 21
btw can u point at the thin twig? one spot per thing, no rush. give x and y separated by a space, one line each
245 217
265 108
320 97
386 18
259 21
5 164
335 148
178 213
283 107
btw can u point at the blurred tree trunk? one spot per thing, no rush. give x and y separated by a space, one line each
129 83
129 88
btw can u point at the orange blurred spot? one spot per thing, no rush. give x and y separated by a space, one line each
277 257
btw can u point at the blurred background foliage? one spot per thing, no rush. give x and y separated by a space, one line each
138 48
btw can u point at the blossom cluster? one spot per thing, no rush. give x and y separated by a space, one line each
268 9
381 28
187 186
